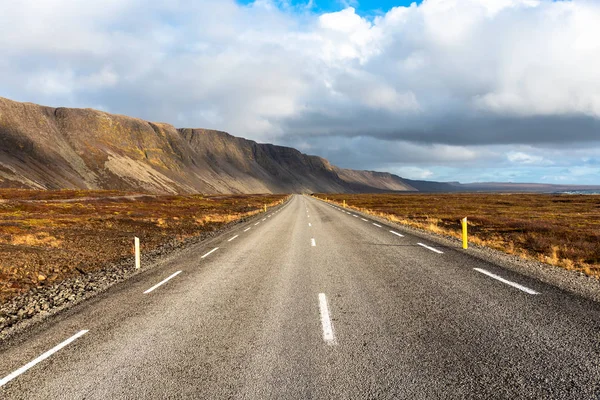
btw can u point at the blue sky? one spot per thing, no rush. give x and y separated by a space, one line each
459 90
363 7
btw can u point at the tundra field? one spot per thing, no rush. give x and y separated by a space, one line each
562 230
47 236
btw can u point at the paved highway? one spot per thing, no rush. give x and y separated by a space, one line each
313 301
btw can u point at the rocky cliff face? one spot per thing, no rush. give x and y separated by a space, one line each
61 148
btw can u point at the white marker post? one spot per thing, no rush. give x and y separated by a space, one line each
136 245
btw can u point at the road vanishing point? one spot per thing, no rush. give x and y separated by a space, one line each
312 302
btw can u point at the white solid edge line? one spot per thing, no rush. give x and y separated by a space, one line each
366 220
430 248
210 252
247 229
397 234
377 225
233 238
328 335
513 284
41 358
162 282
313 243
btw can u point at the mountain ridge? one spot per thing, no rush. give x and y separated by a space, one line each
71 148
44 147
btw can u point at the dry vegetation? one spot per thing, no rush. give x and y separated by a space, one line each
561 230
47 236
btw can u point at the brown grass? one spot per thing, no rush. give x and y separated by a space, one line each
47 236
562 230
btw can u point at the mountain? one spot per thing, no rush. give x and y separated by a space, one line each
64 148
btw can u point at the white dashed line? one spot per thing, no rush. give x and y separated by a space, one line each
264 219
355 216
247 229
41 358
328 335
162 282
210 252
377 225
309 224
313 243
513 284
366 220
430 248
233 238
257 223
397 234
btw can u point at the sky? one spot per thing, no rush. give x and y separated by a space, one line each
448 90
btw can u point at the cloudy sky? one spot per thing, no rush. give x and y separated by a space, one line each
467 90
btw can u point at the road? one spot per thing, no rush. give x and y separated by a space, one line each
313 301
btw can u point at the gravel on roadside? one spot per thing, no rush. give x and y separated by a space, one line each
38 304
571 281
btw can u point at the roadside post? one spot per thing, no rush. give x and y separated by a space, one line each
464 233
344 203
265 208
136 245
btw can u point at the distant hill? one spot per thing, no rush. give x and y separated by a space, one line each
62 148
65 148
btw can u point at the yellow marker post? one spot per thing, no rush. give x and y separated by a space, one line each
265 208
344 203
464 233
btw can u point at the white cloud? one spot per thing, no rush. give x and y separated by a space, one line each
444 74
413 172
524 158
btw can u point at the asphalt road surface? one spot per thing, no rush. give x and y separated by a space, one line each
311 301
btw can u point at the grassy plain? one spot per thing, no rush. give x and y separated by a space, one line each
47 236
562 230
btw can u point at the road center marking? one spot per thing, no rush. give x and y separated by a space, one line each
313 243
162 282
210 252
430 248
41 358
328 335
233 238
397 234
513 284
377 225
